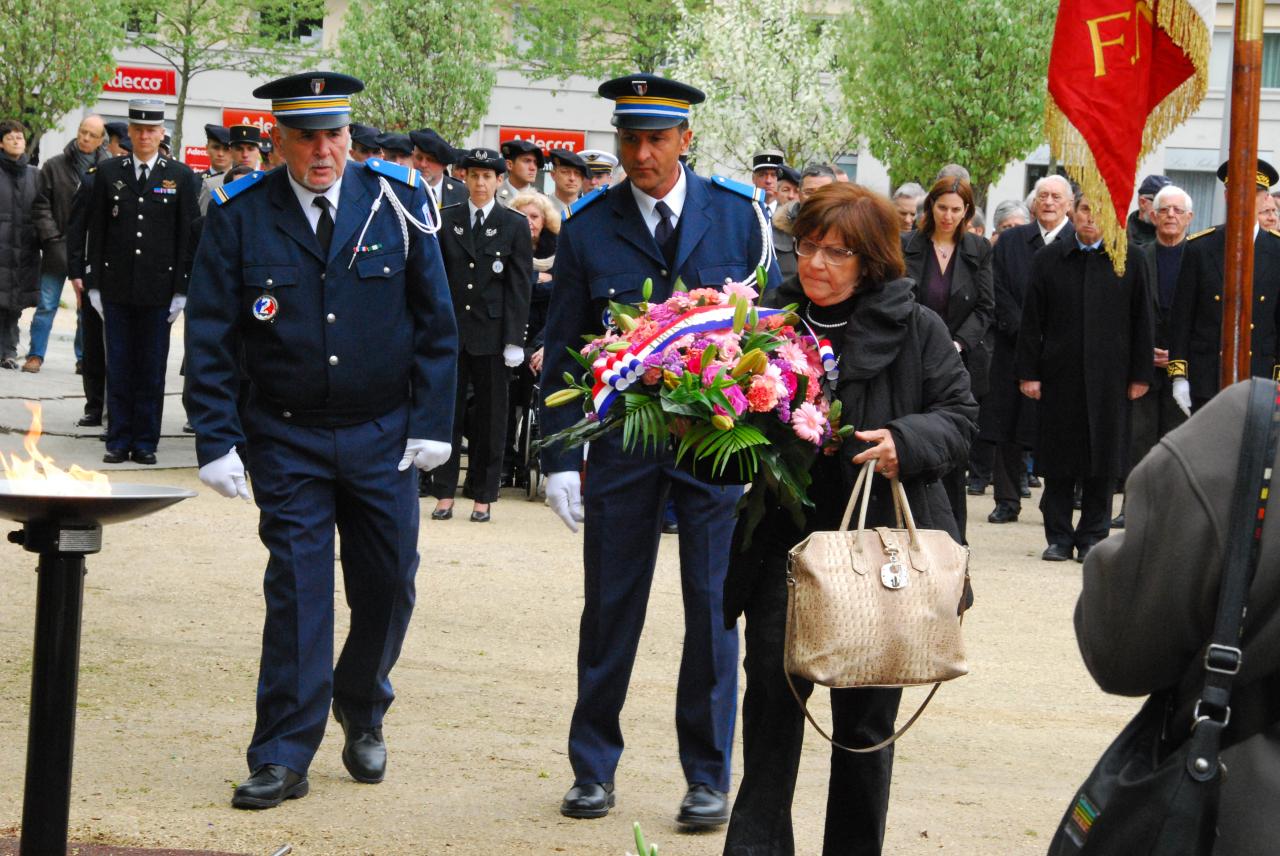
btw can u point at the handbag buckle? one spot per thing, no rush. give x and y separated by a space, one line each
894 573
1223 659
1197 717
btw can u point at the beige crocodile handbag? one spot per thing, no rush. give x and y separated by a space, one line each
876 607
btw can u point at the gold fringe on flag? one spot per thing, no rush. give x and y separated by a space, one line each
1189 31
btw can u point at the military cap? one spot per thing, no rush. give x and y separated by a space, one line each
767 159
564 157
1267 177
647 102
512 149
246 134
217 134
599 162
484 159
789 173
117 129
365 135
266 146
395 143
430 143
314 100
1151 184
166 142
146 111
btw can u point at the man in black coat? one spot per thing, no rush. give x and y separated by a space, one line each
1007 419
1084 352
93 367
488 257
139 220
1196 324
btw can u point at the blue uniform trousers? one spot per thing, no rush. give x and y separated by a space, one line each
624 499
137 349
306 481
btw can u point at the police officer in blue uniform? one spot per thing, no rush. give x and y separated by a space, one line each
301 268
663 222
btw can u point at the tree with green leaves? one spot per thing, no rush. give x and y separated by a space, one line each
948 81
556 39
192 37
768 70
423 62
54 57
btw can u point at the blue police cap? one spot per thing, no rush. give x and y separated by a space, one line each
312 100
399 143
646 102
484 159
365 135
564 157
431 143
218 134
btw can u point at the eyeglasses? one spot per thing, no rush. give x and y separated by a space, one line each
1171 209
831 255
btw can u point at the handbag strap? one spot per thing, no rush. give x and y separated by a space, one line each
1222 656
862 491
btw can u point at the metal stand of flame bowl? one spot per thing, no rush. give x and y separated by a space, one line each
62 513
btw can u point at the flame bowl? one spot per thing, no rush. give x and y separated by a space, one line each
71 502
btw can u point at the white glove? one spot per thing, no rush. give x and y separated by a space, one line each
176 305
226 476
95 300
564 492
424 454
513 355
1182 394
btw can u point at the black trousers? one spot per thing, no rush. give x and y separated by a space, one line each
1007 469
981 455
1095 510
773 729
488 376
93 364
1150 418
137 343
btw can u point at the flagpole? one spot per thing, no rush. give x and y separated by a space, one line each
1237 279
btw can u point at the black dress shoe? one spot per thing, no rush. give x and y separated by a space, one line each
269 786
1003 514
1033 480
1081 552
1057 553
364 753
1117 522
115 457
143 457
187 429
442 513
703 806
88 421
588 801
479 517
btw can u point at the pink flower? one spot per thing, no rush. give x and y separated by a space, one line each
737 399
794 355
808 423
652 376
726 344
741 289
763 395
706 297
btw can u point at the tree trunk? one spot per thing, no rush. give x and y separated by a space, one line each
184 78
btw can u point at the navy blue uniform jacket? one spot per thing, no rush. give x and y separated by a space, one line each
605 253
347 343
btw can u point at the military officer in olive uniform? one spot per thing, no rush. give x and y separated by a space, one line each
1195 325
138 223
662 223
488 255
349 342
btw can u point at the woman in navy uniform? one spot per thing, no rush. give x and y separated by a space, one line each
663 223
303 267
488 256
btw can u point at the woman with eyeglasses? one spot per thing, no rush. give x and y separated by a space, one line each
902 385
951 269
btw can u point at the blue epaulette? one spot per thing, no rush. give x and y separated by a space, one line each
224 194
755 194
585 201
403 174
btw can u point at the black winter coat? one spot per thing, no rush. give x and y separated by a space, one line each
19 244
900 370
60 177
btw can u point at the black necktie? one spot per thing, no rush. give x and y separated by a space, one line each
324 228
142 173
479 220
665 229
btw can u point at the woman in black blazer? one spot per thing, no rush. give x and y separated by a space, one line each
952 273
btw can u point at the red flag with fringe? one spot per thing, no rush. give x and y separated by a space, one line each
1122 75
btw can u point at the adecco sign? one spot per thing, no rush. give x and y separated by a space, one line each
233 116
143 81
196 157
545 138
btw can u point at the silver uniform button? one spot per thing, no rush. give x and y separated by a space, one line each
137 252
662 272
288 414
139 216
386 270
471 264
331 317
333 361
469 285
497 254
468 308
322 276
270 281
139 234
611 291
728 279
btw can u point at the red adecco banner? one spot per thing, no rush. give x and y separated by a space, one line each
237 116
137 80
545 138
196 157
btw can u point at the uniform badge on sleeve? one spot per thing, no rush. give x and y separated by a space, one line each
265 308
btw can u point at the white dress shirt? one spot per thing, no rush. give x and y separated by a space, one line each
151 166
306 198
472 209
1048 236
674 199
